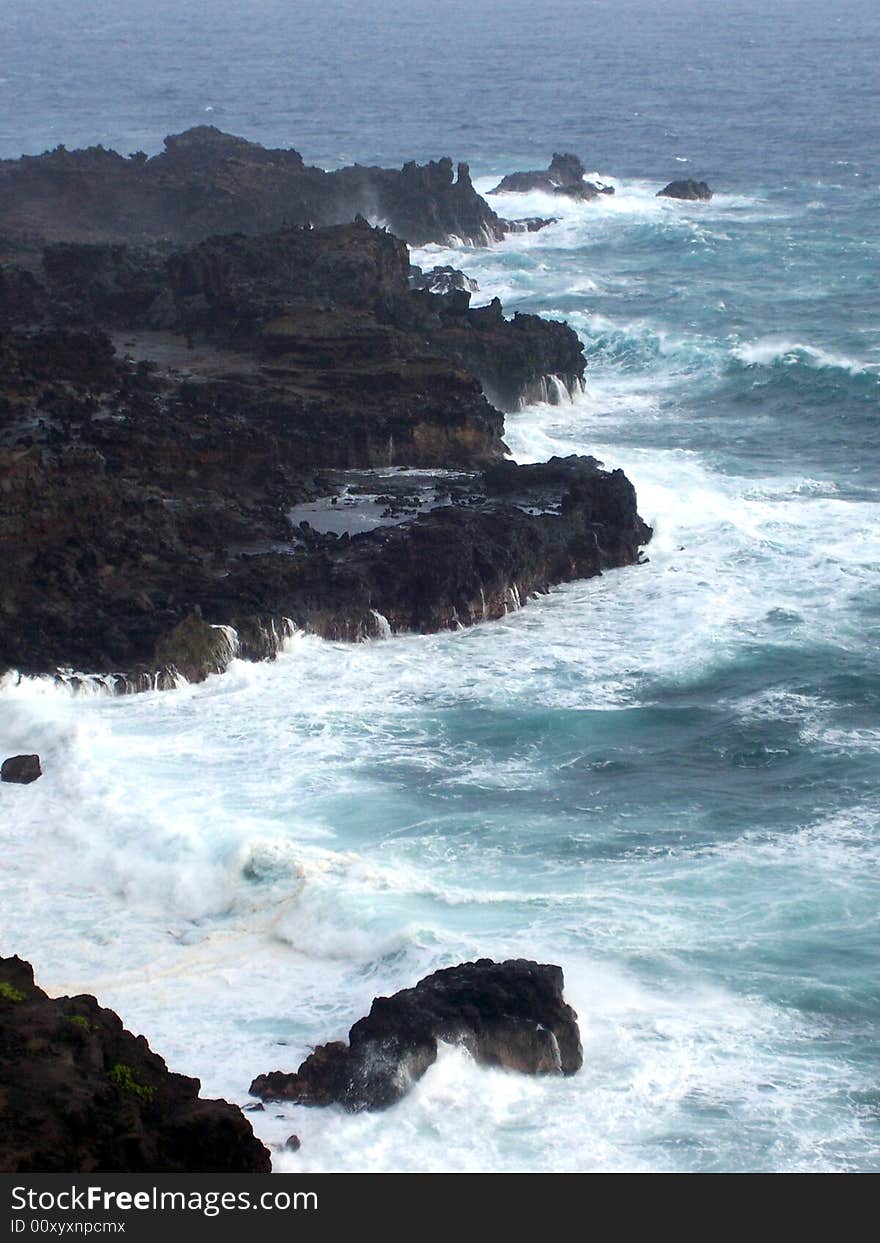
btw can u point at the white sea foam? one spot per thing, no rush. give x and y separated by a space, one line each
239 867
770 351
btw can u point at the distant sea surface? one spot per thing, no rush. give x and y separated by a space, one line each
666 780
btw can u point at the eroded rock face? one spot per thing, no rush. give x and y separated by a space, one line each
565 176
510 1014
692 191
206 182
195 648
83 1095
21 769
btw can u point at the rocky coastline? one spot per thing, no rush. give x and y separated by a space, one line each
173 406
206 182
232 410
81 1094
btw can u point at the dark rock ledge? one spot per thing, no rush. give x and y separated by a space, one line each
510 1014
80 1094
165 414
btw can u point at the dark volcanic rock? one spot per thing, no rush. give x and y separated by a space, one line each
318 304
144 497
479 559
22 298
21 769
509 1014
518 361
207 182
81 1094
693 191
564 176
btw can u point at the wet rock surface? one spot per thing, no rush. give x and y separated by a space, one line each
689 190
565 176
156 442
441 280
81 1094
21 769
510 1014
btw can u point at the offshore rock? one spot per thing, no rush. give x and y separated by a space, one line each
21 769
83 1095
510 1014
692 191
565 176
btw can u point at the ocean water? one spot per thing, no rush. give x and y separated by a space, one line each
666 780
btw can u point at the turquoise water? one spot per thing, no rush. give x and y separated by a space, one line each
666 780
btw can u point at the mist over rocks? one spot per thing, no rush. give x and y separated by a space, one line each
83 1095
207 182
510 1015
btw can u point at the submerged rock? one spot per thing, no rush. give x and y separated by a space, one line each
21 769
693 191
510 1014
81 1094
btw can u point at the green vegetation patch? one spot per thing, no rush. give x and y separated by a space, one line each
122 1076
10 993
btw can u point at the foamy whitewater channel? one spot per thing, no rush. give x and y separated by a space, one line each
663 780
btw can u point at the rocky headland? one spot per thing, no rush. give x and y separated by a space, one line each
185 418
80 1094
206 182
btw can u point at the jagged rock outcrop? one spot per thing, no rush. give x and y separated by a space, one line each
21 769
208 182
80 1094
565 176
691 191
510 1014
522 360
324 299
442 280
